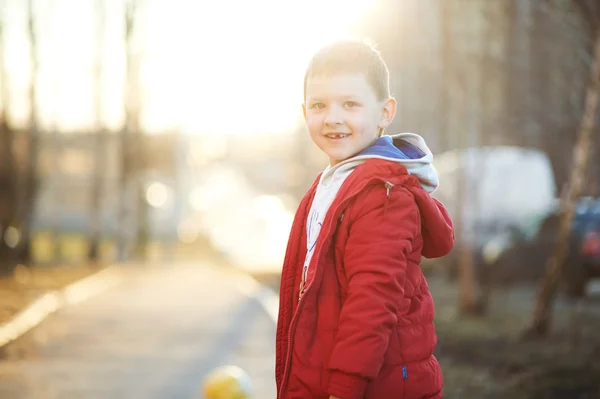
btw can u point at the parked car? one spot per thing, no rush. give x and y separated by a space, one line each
521 256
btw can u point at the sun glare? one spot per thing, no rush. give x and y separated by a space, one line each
218 67
253 81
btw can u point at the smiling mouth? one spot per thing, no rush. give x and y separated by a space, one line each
338 136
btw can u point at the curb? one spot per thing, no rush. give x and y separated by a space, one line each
265 296
50 302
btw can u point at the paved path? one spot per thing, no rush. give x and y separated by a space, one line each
154 336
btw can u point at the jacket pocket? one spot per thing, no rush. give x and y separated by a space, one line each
389 384
423 379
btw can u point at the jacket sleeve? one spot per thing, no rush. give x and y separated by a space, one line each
380 238
438 241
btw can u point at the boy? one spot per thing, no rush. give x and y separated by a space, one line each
356 315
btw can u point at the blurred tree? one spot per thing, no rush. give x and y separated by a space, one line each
487 29
542 311
456 94
133 206
8 171
124 216
97 192
447 62
142 232
57 182
554 108
28 187
590 11
530 60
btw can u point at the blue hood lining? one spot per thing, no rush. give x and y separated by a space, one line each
394 148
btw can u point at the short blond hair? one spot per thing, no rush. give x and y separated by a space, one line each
351 56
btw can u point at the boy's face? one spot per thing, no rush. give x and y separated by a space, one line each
343 114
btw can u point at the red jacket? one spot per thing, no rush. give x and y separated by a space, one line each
363 329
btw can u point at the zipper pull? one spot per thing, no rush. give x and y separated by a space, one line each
302 282
388 186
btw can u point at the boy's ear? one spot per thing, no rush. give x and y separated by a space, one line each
388 113
304 110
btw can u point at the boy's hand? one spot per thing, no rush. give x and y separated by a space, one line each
334 397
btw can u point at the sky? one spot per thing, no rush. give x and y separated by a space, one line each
206 67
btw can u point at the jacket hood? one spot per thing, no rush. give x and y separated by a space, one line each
406 149
436 225
410 151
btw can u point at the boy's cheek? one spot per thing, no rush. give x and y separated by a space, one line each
313 120
314 129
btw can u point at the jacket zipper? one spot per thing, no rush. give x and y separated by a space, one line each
302 282
302 292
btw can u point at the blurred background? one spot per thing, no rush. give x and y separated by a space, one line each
160 131
131 127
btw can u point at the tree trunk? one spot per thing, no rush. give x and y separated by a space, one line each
467 138
57 190
124 211
142 231
142 236
7 170
448 65
97 191
554 267
127 191
7 192
30 186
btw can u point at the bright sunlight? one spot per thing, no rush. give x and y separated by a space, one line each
197 73
244 76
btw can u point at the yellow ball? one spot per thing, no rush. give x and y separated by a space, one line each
227 382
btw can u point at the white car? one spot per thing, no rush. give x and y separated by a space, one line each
504 189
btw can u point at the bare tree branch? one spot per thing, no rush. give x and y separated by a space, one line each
542 311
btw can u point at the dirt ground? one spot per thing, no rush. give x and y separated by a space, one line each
486 358
19 290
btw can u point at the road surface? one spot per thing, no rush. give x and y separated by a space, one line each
156 335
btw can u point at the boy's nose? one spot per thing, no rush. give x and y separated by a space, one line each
334 118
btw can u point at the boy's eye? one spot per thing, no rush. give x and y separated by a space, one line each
318 106
351 104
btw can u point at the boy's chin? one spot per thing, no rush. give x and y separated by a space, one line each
336 157
334 160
